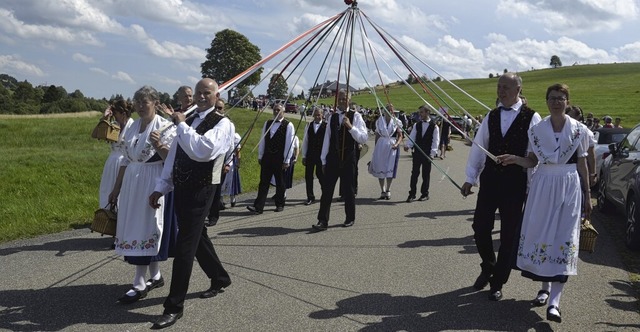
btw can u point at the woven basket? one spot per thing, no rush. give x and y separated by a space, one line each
105 220
107 129
588 235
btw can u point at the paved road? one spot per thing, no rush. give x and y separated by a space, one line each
402 267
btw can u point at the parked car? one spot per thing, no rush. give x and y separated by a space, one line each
604 137
291 108
619 185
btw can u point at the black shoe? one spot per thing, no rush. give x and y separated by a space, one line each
340 199
153 284
223 206
553 317
320 226
253 209
423 198
539 301
214 290
348 223
482 281
126 299
410 198
310 201
233 202
211 222
166 320
495 295
279 209
383 195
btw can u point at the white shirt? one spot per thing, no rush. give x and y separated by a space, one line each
477 157
288 140
358 132
435 141
198 147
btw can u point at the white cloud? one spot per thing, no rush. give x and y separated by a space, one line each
99 71
82 58
122 76
629 52
14 65
44 33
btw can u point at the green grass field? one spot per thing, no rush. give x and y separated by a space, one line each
51 168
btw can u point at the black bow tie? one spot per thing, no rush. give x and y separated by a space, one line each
506 109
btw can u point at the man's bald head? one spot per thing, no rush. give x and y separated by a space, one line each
206 93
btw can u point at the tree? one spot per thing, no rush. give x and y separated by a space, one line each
54 93
277 87
230 54
77 94
555 62
490 75
505 71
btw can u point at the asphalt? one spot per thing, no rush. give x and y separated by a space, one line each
402 267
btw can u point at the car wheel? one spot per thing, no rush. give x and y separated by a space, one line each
603 204
633 224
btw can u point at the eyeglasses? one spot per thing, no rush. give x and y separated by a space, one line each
556 99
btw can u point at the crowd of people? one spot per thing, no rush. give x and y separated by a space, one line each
169 177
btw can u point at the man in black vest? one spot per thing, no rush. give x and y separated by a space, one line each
345 130
311 149
199 146
218 204
424 139
503 188
274 156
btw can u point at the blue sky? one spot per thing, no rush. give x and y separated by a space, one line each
104 47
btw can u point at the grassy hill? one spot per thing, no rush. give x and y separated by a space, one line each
51 167
607 89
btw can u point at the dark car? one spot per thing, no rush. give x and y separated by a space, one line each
291 108
604 137
620 184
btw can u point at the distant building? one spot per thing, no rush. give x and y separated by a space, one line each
329 89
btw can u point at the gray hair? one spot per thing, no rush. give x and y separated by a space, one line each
146 92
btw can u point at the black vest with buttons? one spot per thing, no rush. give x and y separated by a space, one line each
315 141
424 142
515 141
342 146
274 145
191 174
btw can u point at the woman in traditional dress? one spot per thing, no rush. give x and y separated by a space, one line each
232 185
549 239
384 160
143 233
121 111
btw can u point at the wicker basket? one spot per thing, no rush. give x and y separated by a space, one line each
588 235
105 220
107 129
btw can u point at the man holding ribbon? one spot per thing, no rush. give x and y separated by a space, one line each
504 131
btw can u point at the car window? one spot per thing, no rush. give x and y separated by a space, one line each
630 142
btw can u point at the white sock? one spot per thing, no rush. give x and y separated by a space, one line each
139 281
556 293
154 271
546 286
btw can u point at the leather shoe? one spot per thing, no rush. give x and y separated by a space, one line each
126 299
340 199
482 281
310 201
253 209
153 284
348 223
214 290
233 201
540 301
279 209
166 320
211 222
320 226
552 316
495 295
410 198
423 198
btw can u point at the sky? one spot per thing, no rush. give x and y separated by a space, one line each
108 47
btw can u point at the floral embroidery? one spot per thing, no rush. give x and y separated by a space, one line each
139 245
543 253
574 140
544 159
